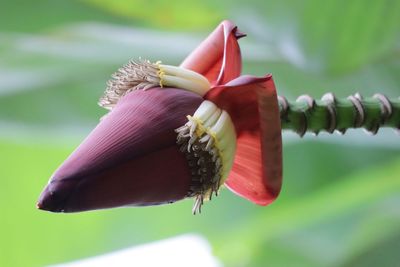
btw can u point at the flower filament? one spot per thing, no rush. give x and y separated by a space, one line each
208 137
145 75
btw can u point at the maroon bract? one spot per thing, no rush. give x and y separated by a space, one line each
130 158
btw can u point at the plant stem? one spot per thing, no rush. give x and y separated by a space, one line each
330 114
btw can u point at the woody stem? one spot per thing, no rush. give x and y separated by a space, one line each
329 114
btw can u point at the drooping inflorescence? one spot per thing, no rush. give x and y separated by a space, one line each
132 157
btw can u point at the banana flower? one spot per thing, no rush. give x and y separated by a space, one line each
176 132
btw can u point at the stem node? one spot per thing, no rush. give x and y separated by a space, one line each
331 114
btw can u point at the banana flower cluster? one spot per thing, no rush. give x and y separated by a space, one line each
176 132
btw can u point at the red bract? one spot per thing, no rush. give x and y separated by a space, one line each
252 104
218 57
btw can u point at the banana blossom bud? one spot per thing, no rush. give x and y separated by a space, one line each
177 132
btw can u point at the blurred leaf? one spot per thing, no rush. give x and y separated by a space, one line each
345 35
40 237
384 253
352 196
42 15
166 14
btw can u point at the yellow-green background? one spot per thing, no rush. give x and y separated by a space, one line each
340 203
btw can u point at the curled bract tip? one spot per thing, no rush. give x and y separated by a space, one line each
218 57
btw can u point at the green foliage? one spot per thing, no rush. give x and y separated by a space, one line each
340 201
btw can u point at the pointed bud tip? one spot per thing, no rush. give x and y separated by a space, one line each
239 34
47 203
53 197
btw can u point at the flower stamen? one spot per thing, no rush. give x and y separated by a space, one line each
145 75
208 140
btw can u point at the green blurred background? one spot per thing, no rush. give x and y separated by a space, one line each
340 203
